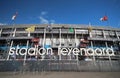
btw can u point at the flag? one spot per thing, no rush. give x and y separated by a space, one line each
89 28
14 16
71 30
30 29
105 18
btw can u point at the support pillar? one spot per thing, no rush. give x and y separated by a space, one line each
60 44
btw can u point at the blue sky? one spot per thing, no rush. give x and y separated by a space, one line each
61 12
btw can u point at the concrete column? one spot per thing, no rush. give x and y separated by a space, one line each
44 38
90 34
9 50
27 44
117 34
104 34
91 44
93 55
106 44
28 34
75 38
76 42
0 32
60 44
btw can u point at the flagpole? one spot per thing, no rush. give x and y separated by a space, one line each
11 35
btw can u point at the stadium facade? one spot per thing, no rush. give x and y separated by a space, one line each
99 47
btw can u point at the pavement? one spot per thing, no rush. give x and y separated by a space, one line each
59 74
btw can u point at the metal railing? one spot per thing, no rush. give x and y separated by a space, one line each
59 65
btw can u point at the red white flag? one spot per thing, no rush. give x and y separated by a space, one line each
14 16
105 18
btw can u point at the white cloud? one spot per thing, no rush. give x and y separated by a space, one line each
2 24
52 21
44 13
43 20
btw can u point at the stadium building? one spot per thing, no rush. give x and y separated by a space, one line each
83 47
